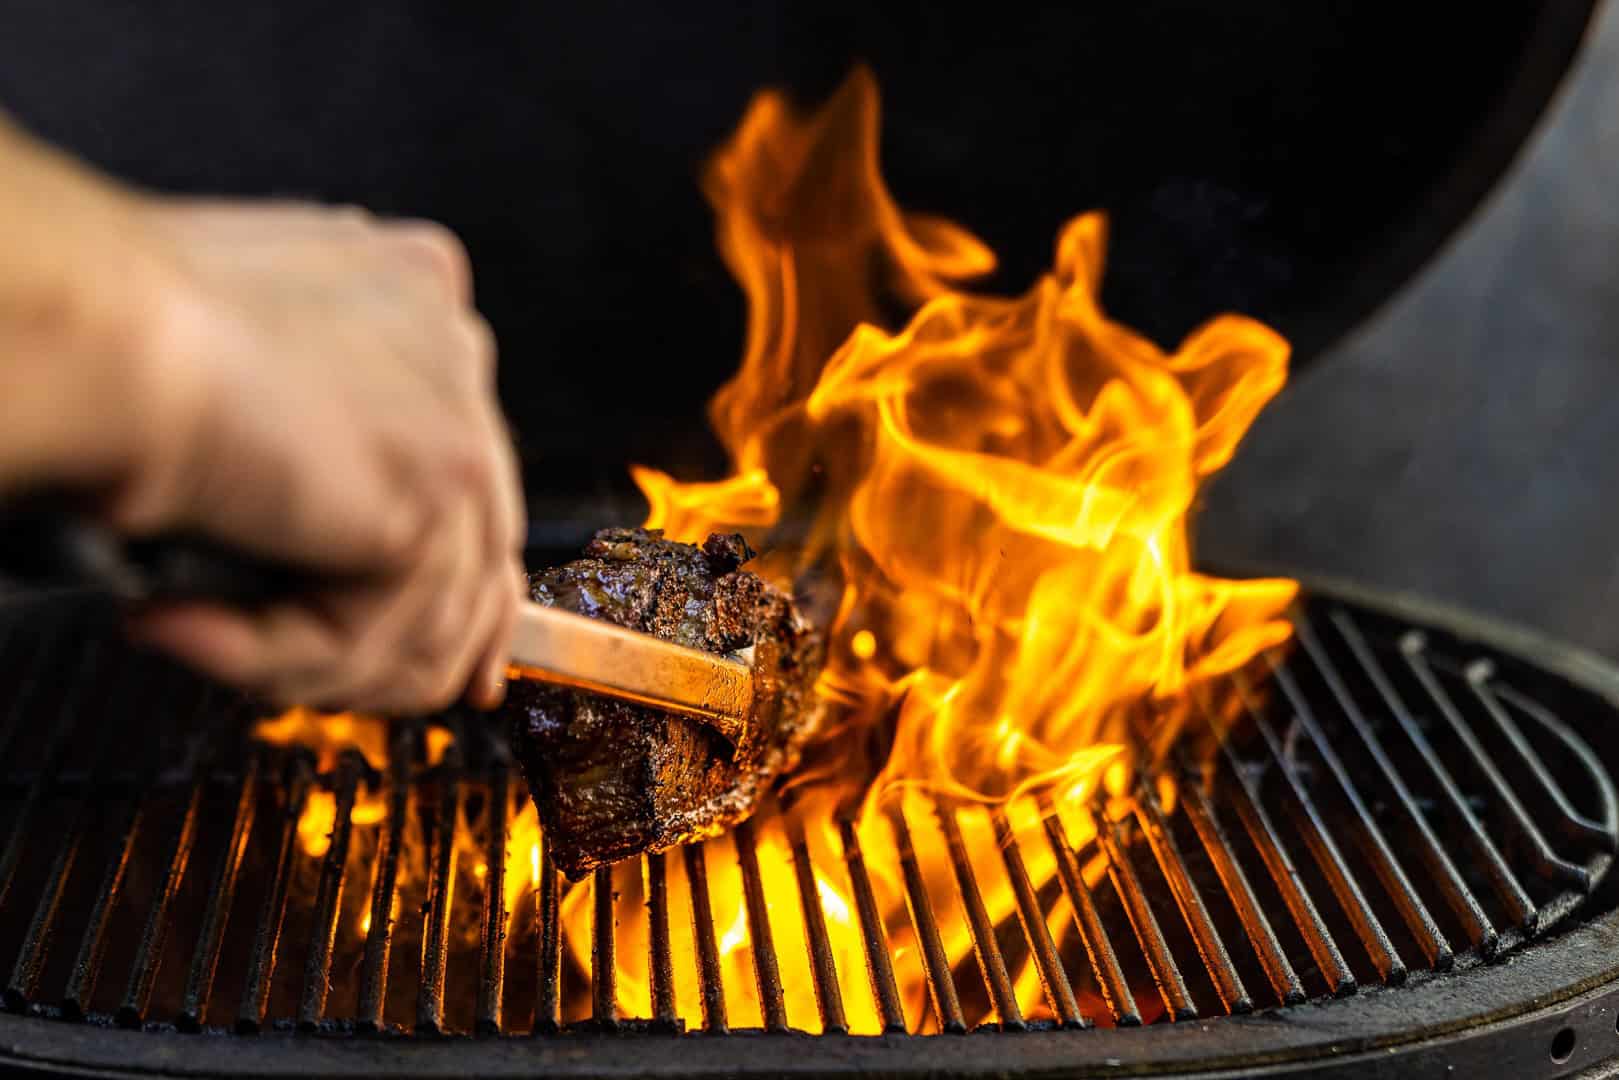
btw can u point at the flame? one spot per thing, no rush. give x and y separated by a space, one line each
1001 488
522 856
1001 485
997 492
327 735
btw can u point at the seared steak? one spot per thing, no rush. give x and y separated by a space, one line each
611 779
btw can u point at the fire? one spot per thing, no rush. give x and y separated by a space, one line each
328 735
522 855
1000 485
998 489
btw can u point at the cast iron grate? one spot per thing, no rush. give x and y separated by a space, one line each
1378 810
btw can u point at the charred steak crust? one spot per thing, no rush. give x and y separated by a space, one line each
611 779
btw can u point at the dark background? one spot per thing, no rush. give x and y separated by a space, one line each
1291 161
1465 443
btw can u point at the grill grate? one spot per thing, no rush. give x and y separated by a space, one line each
1383 810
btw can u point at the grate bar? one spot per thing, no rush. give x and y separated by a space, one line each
1441 870
990 961
660 955
1443 873
548 935
1048 965
879 963
149 950
1413 647
329 895
766 971
935 961
66 721
1607 818
24 980
603 958
1503 882
1384 822
1098 943
441 893
81 981
267 935
1210 946
1165 973
1324 850
492 944
23 984
1571 825
828 994
1278 969
371 1014
1396 884
708 955
1306 917
199 986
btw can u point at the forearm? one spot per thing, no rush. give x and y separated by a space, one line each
77 281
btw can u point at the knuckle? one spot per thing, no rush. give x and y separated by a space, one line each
442 248
444 630
351 218
438 237
442 690
368 660
479 342
472 469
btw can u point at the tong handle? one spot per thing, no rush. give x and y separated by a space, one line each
45 547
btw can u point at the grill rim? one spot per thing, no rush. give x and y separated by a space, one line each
1490 1014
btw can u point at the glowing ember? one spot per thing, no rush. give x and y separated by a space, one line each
328 735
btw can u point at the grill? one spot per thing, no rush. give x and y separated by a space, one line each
1346 859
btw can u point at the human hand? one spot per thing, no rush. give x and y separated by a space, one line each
314 386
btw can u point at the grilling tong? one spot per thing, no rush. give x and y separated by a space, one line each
53 549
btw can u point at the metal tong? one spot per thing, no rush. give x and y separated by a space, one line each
46 547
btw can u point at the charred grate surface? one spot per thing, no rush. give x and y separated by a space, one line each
1374 806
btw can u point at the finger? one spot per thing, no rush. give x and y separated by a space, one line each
487 634
281 652
437 250
488 686
375 619
423 688
434 650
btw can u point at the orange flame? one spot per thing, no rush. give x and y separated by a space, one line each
328 735
999 488
1002 485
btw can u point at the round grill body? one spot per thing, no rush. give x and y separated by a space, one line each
1390 852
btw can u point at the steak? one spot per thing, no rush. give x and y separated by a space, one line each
611 779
